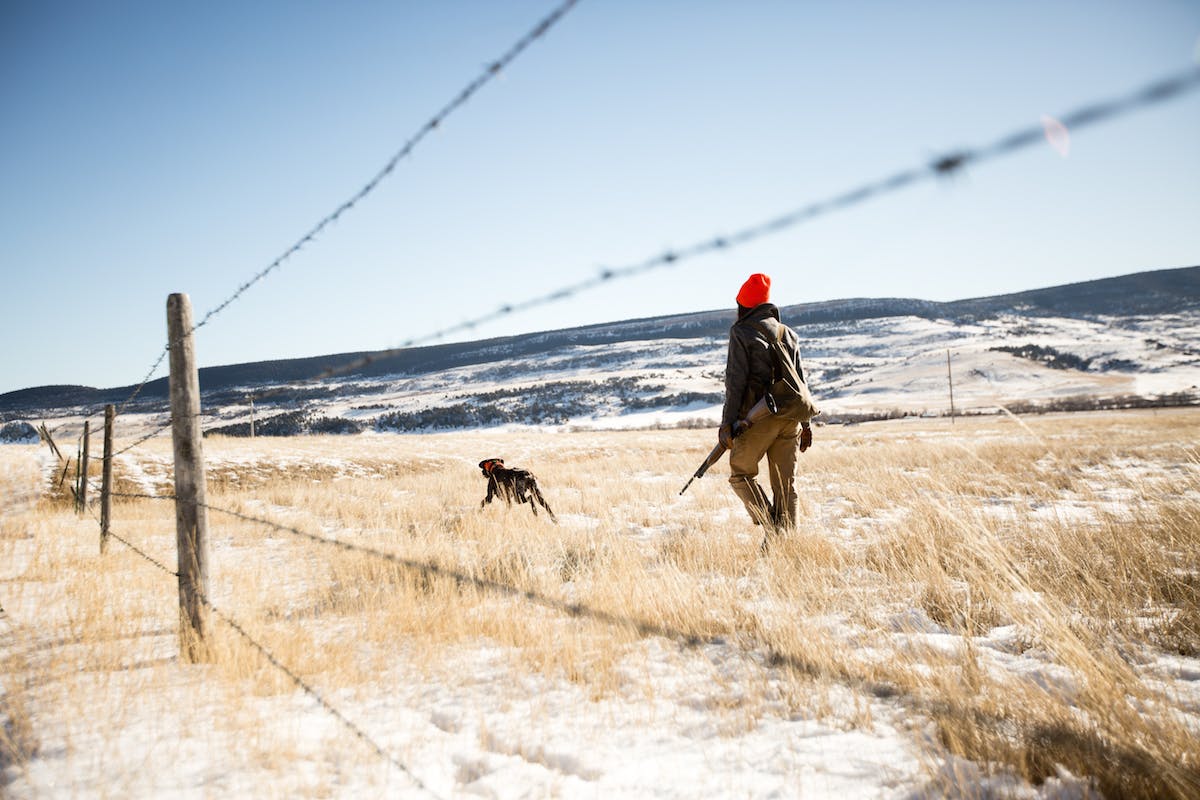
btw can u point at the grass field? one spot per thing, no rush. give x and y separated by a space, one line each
1011 603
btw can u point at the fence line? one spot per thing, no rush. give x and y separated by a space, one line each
773 657
291 675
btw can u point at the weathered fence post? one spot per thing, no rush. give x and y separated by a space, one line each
191 515
45 434
81 495
110 413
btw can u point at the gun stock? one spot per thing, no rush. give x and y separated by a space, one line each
761 410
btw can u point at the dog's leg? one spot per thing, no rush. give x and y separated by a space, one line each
537 495
521 490
491 492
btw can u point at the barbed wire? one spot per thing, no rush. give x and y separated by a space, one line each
53 431
279 665
160 429
141 441
428 569
493 68
315 695
72 421
952 162
142 496
145 380
139 551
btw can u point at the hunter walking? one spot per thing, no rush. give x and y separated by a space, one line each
756 342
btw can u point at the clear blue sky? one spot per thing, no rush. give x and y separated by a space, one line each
157 147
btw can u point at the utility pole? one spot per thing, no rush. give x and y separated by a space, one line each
251 416
950 379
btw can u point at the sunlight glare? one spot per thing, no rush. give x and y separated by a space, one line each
1057 135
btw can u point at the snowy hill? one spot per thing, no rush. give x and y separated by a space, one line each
1109 341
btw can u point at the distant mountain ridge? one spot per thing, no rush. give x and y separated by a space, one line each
1149 293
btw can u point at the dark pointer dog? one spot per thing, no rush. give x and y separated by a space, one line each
512 484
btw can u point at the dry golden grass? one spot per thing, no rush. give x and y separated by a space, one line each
1078 533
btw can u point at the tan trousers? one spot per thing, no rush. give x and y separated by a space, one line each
778 440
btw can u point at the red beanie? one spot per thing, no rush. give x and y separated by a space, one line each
755 291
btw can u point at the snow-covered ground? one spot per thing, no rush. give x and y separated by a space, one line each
713 720
676 724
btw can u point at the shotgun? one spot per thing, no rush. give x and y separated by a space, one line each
762 409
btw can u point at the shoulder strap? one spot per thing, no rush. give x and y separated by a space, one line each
784 361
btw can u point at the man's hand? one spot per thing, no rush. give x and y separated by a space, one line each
805 438
725 436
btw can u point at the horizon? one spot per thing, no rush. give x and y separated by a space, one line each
344 354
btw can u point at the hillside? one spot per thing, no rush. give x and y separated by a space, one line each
1132 335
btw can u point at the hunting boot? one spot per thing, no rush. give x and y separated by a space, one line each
758 506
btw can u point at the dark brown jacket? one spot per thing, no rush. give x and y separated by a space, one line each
750 368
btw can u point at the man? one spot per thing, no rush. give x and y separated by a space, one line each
749 372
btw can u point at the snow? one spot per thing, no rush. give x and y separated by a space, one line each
867 366
680 722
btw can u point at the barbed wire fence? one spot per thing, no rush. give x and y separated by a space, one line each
951 163
493 69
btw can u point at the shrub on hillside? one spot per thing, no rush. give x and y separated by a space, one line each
18 433
1048 356
337 425
290 423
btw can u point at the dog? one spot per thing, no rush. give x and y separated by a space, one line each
512 484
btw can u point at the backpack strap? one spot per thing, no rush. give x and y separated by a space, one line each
785 366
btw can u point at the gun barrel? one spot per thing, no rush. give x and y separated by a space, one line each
713 457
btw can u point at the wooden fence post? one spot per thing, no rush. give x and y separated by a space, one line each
110 413
45 434
81 495
191 514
